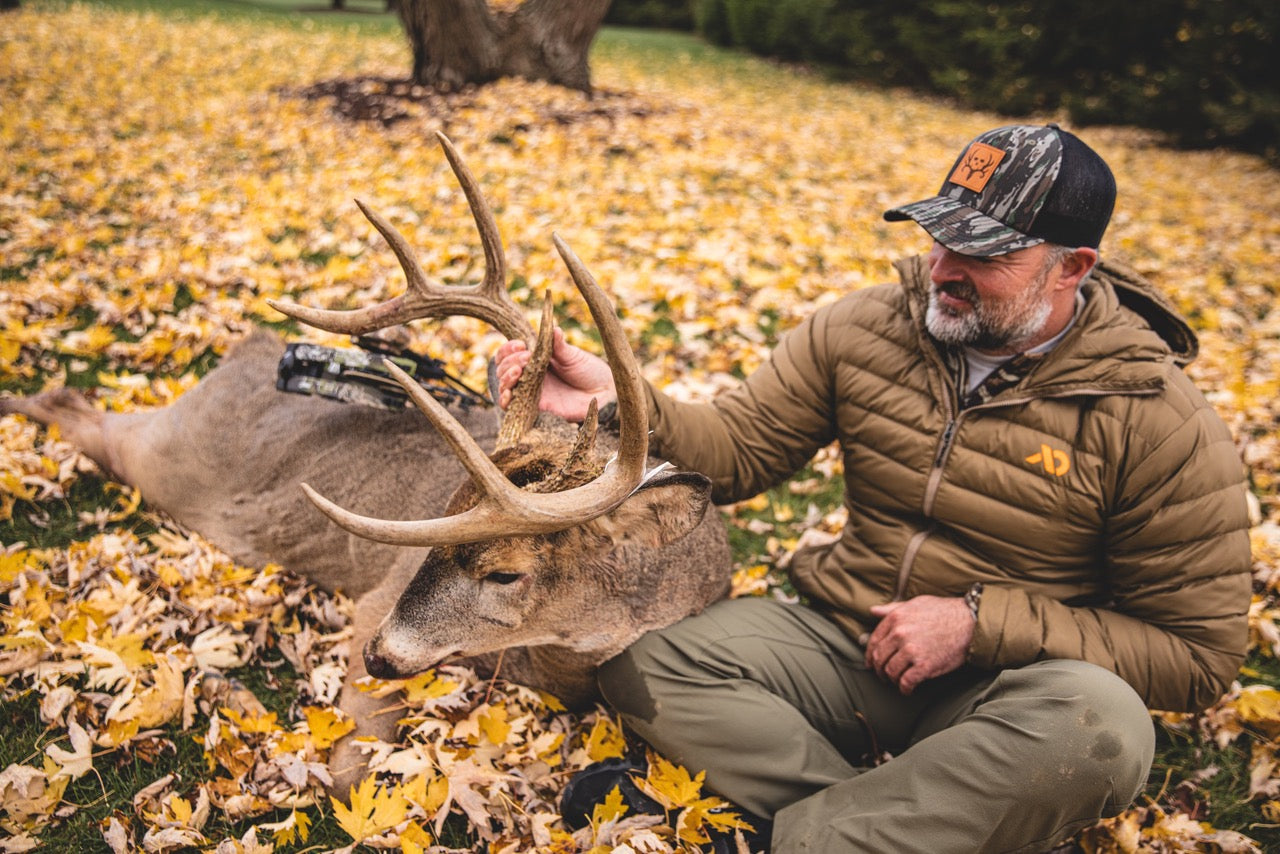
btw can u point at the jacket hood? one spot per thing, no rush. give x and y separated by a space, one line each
1120 342
1141 297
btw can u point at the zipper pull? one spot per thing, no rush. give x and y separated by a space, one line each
947 435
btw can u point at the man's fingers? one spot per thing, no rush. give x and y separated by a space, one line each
506 348
897 665
510 368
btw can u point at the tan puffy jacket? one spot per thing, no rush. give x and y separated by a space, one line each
1100 499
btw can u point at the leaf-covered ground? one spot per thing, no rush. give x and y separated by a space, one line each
164 174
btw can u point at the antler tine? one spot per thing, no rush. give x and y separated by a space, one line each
505 510
488 301
495 259
632 413
523 409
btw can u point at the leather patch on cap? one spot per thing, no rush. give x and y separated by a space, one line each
977 166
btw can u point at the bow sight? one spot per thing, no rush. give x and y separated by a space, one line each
360 375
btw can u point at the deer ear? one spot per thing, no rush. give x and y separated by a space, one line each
663 509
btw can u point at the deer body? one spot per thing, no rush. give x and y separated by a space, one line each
554 554
226 459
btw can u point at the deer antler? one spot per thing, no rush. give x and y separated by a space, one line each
505 510
488 300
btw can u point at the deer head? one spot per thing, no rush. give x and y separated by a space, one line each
538 547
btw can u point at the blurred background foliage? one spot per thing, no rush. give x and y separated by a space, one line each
1206 72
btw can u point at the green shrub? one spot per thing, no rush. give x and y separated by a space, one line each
1205 71
711 19
665 14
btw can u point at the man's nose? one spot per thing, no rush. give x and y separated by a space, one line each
943 266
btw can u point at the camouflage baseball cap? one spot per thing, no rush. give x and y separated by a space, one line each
1018 186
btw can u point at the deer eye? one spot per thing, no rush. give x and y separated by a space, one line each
504 577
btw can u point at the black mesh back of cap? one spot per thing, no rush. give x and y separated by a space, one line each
1078 207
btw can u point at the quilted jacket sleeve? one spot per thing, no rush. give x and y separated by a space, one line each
758 434
1178 562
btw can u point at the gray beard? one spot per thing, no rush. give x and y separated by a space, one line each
988 327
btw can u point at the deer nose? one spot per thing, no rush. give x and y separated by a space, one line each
379 666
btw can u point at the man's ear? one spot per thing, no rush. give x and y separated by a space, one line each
665 508
1076 265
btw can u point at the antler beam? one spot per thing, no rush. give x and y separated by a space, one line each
505 510
487 300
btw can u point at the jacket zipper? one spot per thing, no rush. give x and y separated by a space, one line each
945 444
930 493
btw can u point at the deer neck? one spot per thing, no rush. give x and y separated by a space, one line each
568 674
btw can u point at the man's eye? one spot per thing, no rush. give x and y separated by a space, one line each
504 577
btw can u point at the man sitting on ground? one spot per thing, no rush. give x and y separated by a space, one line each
1047 535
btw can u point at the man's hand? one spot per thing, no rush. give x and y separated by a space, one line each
919 639
574 377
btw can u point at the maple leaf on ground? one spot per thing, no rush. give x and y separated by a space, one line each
414 839
295 827
605 741
428 792
612 807
77 762
116 835
428 686
165 839
162 701
670 784
374 810
249 723
326 725
473 785
221 648
28 795
114 661
1259 706
492 721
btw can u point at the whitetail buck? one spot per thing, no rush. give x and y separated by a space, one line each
556 551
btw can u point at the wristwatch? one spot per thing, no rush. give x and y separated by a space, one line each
973 598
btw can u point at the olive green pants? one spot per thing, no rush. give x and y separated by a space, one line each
778 706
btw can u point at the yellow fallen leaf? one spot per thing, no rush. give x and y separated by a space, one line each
425 686
670 784
326 725
427 791
605 741
252 723
493 723
78 761
374 810
613 806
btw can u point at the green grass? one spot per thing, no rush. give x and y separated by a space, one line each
661 52
652 50
366 15
57 524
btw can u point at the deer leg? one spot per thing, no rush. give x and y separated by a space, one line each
81 424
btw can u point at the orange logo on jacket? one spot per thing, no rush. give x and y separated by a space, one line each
977 166
1055 462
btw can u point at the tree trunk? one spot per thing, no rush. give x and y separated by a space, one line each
456 42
